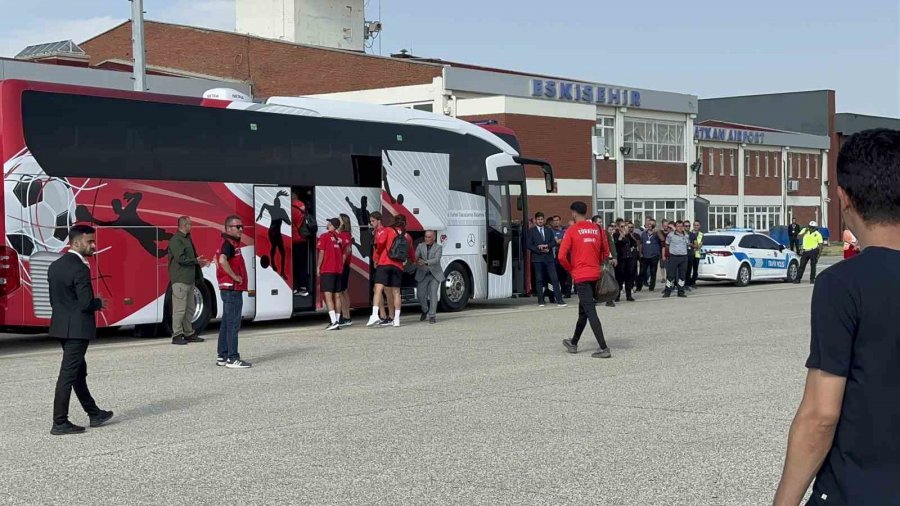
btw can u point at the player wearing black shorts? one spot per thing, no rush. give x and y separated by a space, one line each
329 264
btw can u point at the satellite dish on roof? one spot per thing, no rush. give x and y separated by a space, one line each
226 94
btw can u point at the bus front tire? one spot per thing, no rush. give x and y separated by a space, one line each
456 288
203 297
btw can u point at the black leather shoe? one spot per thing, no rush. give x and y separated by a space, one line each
179 340
194 339
66 428
102 418
423 317
432 320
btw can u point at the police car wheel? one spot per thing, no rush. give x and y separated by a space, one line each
792 272
743 276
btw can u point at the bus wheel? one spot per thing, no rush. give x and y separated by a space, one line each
456 288
203 311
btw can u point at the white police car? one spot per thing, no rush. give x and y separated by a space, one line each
742 255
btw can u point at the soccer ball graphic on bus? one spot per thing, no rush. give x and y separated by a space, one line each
39 208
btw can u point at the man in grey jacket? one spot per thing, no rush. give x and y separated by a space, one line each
678 243
429 275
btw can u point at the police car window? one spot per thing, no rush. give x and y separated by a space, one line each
748 241
718 240
766 242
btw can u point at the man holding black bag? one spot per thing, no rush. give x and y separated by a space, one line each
583 249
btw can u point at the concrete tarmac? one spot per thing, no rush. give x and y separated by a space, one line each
485 407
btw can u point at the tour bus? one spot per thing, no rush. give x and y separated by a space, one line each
130 164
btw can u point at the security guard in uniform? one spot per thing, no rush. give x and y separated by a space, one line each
811 247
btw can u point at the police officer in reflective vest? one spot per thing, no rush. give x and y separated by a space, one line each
811 246
696 237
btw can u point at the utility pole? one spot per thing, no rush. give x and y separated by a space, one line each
137 45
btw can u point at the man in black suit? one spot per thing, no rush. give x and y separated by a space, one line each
541 241
72 322
794 236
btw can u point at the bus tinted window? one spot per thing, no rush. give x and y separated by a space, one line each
82 136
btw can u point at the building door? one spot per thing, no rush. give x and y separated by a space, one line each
498 238
272 237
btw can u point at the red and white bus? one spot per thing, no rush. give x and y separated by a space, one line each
131 163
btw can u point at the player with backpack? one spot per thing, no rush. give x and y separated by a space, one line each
304 228
393 249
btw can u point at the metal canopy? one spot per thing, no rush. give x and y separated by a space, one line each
59 48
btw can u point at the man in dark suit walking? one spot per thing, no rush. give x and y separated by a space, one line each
541 241
72 322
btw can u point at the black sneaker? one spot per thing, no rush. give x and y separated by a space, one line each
570 346
180 340
432 320
194 339
682 294
604 353
345 322
65 429
629 299
101 418
238 364
610 304
667 294
423 317
387 322
220 361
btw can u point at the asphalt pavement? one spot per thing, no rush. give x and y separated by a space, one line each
483 408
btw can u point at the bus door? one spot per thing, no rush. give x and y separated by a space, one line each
358 203
272 258
498 239
519 225
416 185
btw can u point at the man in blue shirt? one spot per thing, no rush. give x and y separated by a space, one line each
845 432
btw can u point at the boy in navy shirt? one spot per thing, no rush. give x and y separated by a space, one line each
846 433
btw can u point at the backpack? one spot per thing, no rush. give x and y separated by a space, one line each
399 249
308 228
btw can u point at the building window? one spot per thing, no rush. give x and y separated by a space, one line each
762 217
606 209
657 141
606 130
731 162
638 210
722 217
722 162
712 170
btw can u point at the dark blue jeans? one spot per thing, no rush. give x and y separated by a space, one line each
232 304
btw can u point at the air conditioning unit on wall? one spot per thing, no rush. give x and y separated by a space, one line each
793 185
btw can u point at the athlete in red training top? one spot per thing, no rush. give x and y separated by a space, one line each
583 249
299 245
389 272
345 232
330 264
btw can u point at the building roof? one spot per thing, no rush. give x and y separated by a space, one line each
58 48
848 123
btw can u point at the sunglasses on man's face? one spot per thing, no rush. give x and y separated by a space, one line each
239 227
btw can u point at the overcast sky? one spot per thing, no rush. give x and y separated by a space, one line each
706 48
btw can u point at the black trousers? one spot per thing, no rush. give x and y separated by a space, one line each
694 268
548 269
647 276
72 376
794 245
587 312
626 271
565 280
300 252
676 271
811 257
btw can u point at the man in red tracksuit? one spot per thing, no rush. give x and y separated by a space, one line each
581 253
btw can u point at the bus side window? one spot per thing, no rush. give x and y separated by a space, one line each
367 171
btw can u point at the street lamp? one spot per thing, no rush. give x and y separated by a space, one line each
137 45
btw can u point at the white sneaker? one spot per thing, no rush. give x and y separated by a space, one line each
333 326
373 320
562 304
396 322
